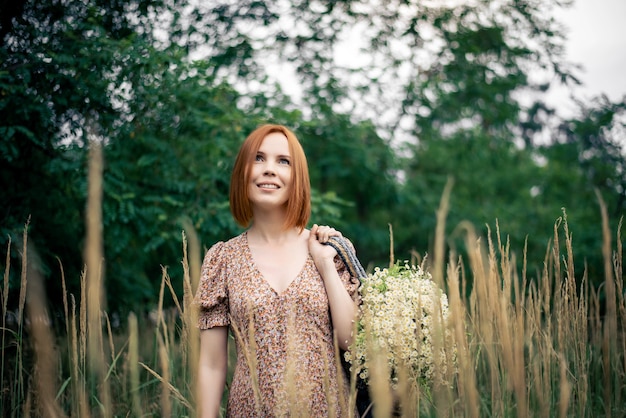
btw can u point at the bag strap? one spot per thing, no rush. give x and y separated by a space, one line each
348 256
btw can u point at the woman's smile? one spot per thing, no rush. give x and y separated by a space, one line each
268 186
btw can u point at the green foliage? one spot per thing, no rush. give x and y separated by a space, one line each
58 70
588 162
172 89
485 190
352 161
167 166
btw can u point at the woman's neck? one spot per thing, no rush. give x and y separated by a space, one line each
267 234
271 231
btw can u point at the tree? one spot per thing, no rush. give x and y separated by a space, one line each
494 185
172 88
586 162
55 72
353 162
61 70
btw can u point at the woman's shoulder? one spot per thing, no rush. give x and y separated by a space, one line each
222 256
236 242
222 249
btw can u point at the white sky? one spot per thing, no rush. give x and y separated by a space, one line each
597 41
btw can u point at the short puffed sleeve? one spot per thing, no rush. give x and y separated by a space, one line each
211 297
349 282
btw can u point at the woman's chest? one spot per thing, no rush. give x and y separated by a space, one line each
252 299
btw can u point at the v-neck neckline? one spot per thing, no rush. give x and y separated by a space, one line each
262 277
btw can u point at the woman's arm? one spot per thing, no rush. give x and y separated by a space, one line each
343 310
212 368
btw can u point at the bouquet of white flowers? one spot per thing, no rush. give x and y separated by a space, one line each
403 323
404 317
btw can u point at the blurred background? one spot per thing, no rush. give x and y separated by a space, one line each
519 103
595 41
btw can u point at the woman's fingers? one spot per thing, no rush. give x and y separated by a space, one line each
324 232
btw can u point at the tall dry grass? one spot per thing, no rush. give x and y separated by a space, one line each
544 344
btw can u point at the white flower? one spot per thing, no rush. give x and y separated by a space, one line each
404 317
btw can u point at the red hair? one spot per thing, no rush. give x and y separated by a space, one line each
298 204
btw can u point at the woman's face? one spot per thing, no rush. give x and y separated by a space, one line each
270 172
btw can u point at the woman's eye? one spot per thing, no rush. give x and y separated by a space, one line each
284 161
259 157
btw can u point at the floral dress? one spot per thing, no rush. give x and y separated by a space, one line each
286 364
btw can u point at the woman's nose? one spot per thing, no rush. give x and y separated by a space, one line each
269 169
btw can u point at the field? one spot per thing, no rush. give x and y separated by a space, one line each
529 344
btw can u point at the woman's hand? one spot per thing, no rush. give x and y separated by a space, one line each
318 238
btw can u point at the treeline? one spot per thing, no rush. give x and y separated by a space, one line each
429 95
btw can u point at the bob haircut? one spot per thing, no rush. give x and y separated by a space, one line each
298 204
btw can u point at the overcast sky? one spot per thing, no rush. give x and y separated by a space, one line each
597 40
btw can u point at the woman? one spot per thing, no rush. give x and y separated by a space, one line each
283 293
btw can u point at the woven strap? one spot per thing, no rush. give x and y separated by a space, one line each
347 255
